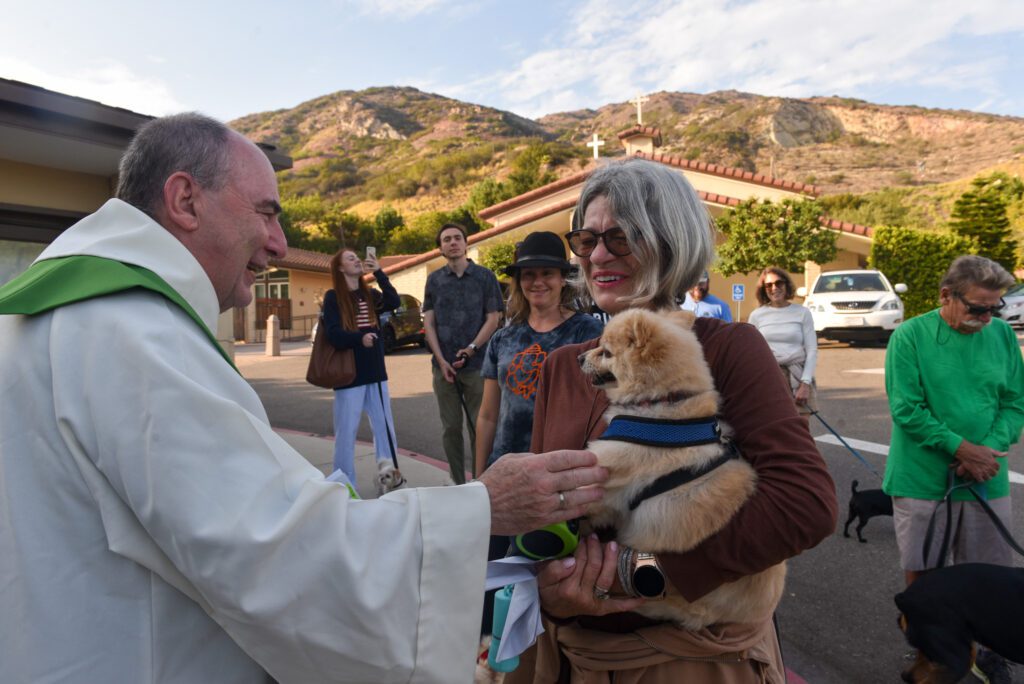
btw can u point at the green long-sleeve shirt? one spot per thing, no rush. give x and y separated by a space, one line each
944 387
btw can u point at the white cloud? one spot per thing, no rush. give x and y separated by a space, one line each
797 48
106 81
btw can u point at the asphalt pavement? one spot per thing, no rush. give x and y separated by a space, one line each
837 618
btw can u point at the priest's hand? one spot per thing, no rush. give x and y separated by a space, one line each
530 491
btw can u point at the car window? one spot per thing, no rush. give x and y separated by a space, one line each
849 282
1015 291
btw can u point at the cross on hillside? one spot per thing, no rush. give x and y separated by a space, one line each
639 101
595 143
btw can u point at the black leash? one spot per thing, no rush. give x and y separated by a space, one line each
846 444
947 499
387 427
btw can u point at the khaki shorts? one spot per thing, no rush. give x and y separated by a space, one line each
974 539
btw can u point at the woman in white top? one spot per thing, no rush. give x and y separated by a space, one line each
789 331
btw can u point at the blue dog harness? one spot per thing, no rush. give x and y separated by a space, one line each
660 432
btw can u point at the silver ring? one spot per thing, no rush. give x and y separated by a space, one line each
600 594
562 505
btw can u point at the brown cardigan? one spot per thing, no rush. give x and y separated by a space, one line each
794 506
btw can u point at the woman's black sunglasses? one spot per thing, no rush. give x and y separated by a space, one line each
978 310
583 242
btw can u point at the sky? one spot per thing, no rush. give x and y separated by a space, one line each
531 57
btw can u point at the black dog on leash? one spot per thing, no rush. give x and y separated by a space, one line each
866 505
947 609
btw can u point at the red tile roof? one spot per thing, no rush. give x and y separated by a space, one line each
638 130
847 227
568 203
536 193
730 172
304 260
678 162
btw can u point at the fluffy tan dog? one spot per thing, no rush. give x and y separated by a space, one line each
652 366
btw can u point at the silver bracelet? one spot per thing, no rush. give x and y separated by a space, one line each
640 574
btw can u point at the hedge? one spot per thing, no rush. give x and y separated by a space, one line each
919 259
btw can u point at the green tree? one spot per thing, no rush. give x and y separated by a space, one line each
528 170
311 223
356 231
385 223
498 256
919 259
980 214
412 238
761 234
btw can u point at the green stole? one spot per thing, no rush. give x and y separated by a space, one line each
52 283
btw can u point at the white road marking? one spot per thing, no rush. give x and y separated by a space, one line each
859 445
867 371
883 449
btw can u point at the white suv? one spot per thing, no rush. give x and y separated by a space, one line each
854 306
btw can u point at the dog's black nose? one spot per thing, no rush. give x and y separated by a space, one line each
580 359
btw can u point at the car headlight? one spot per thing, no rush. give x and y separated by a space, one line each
891 305
811 306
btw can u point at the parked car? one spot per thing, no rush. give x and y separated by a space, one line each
403 326
854 306
399 327
1014 311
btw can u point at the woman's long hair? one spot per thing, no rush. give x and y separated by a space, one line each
346 302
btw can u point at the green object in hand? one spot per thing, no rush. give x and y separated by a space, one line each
554 541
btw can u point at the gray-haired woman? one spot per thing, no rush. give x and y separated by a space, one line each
641 235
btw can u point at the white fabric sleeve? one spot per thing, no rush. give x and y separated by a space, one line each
194 485
810 345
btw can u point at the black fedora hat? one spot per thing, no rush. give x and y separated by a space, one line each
542 249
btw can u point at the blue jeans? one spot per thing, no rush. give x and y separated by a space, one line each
349 405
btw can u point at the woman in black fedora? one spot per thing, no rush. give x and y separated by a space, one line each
541 318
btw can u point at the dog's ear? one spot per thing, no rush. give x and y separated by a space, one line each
640 330
682 318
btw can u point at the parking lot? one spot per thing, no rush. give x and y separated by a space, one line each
838 620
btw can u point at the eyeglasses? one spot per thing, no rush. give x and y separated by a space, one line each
978 310
781 284
583 242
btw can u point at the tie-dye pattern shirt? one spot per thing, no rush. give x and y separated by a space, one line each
514 358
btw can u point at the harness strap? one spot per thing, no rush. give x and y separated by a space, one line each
667 432
663 432
679 477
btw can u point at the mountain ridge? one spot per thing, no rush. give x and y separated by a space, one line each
415 149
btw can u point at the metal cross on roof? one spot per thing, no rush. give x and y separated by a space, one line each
595 142
639 101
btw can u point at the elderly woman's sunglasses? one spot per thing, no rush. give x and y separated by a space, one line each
979 310
583 242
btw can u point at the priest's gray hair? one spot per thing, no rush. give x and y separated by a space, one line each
668 228
971 269
189 142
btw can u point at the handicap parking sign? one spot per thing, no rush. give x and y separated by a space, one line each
737 293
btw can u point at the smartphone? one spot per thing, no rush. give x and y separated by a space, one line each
371 252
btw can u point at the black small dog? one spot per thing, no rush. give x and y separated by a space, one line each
866 505
945 610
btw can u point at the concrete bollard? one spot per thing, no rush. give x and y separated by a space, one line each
273 335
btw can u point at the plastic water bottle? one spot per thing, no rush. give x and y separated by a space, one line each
502 599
